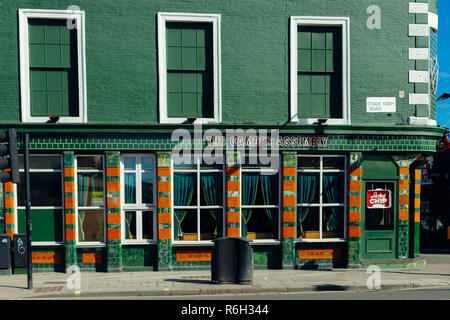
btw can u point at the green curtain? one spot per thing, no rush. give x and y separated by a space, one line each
250 187
212 191
184 185
334 192
130 188
269 188
129 216
84 190
306 188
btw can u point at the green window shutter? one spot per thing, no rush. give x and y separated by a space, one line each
53 68
189 70
319 76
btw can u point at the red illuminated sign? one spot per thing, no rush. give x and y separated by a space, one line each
379 199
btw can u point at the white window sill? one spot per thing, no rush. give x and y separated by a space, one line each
137 242
91 245
321 240
46 243
192 243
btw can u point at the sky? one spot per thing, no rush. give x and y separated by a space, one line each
443 107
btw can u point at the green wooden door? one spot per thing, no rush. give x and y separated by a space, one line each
379 225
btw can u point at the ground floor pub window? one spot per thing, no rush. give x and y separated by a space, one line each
46 196
90 199
260 202
138 190
321 186
198 193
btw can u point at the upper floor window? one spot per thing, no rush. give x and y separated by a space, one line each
52 65
189 67
319 70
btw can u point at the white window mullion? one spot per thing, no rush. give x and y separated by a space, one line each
320 196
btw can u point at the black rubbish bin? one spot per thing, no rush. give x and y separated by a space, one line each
20 250
5 253
223 265
232 261
244 261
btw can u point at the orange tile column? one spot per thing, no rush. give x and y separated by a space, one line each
354 178
69 209
113 223
232 195
8 203
164 203
288 208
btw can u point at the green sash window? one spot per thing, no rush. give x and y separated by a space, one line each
53 68
189 70
319 72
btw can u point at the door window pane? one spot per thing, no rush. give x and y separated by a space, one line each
211 224
185 225
380 219
308 222
333 187
90 189
333 222
308 188
147 224
90 162
130 224
91 225
45 189
308 162
130 187
147 187
185 186
211 189
146 163
129 163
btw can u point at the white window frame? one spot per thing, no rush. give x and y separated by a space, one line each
343 22
69 15
163 18
198 207
17 207
320 205
138 207
77 226
268 171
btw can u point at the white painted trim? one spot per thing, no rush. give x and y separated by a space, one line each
419 76
433 20
215 19
416 7
419 98
421 121
418 53
418 30
139 207
343 22
79 16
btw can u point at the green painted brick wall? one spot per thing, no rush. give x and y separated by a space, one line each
121 56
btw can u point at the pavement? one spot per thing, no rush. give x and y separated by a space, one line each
436 273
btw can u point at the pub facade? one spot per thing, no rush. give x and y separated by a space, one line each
157 127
